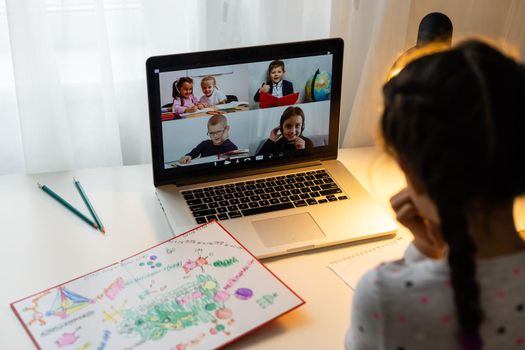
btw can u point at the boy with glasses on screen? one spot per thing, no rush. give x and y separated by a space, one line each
218 131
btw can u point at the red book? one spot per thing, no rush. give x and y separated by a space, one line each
267 100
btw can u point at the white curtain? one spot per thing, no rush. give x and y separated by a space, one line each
72 82
376 32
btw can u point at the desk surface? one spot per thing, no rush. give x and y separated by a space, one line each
43 245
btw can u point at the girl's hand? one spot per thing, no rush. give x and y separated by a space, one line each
185 159
274 134
427 235
201 105
191 109
299 143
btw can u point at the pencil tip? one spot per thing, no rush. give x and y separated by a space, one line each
103 231
39 184
74 179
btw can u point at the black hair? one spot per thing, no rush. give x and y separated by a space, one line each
457 119
177 84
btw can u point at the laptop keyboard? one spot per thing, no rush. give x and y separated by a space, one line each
245 198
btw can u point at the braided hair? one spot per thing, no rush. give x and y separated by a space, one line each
457 118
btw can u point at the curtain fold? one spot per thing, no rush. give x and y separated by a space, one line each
72 72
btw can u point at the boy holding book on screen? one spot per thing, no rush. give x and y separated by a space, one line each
275 85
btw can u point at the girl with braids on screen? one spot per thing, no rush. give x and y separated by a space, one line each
455 123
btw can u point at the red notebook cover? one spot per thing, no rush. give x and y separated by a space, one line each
268 100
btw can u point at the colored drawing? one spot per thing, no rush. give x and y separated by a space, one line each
37 315
152 263
66 302
221 296
219 327
266 300
84 346
67 338
226 262
194 341
111 315
181 308
192 301
192 264
243 293
114 288
223 313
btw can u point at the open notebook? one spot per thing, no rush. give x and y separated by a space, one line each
200 289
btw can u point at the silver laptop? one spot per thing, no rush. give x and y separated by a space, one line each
249 137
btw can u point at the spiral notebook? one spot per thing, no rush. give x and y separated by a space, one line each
351 268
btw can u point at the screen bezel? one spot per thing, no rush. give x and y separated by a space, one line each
175 62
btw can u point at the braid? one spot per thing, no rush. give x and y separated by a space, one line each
457 119
461 260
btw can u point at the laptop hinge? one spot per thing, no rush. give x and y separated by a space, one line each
255 171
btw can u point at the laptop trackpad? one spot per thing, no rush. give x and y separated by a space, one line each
287 229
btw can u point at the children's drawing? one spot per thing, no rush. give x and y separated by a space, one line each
151 263
67 338
192 264
192 342
37 315
159 299
243 293
114 288
183 307
115 313
266 300
226 262
67 302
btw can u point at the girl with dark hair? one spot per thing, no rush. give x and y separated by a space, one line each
183 99
455 123
288 136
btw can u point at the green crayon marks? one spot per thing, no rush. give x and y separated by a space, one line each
152 263
266 300
226 262
186 306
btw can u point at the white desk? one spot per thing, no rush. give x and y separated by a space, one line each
43 245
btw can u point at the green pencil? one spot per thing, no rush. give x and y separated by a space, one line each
67 205
88 204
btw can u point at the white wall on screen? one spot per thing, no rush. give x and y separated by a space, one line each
234 83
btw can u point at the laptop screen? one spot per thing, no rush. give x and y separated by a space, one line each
219 114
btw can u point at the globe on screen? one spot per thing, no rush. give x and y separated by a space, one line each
318 86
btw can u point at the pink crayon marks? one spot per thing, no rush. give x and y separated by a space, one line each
199 262
114 288
67 338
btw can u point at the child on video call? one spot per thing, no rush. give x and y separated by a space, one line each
288 135
212 95
183 99
275 85
455 123
219 142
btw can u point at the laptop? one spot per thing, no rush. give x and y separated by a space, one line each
267 172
